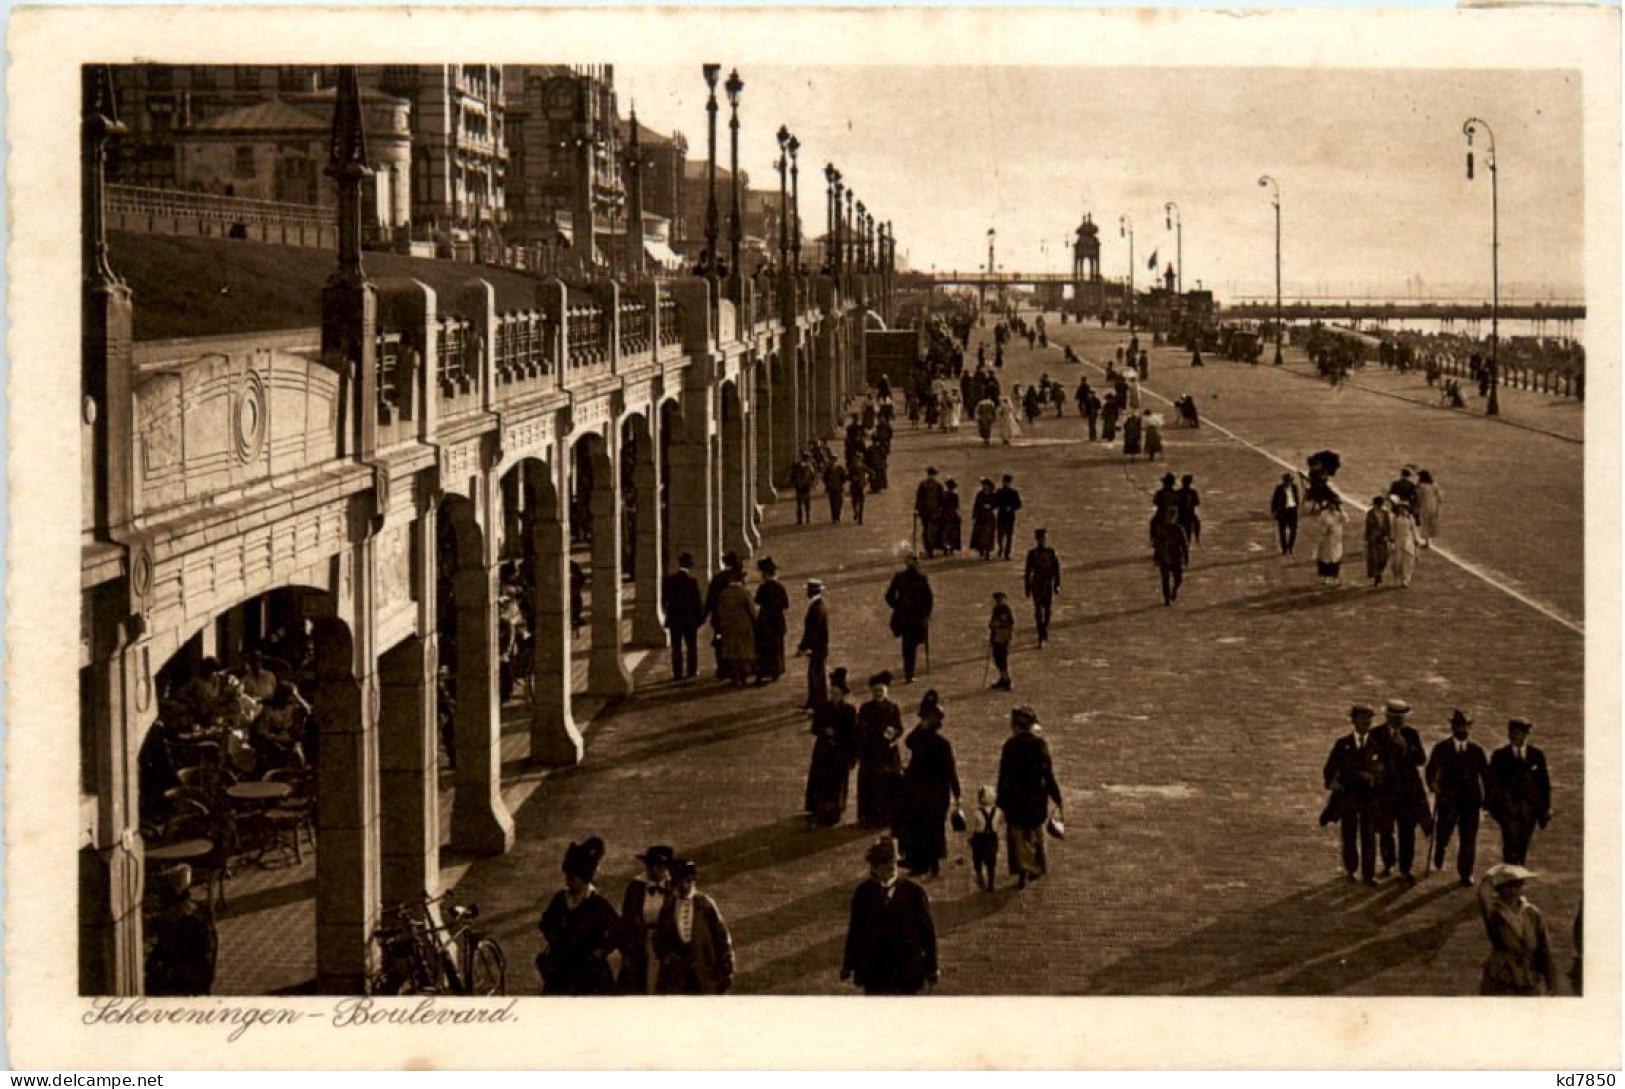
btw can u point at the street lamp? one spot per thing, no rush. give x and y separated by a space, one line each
1125 229
711 232
863 238
1470 128
784 198
736 234
850 232
1172 210
795 204
1280 329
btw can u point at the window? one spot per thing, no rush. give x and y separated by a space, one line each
245 163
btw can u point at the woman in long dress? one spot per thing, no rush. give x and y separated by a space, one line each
579 928
1404 536
736 628
1379 529
835 750
1330 521
955 409
1131 435
1008 428
1110 410
930 786
880 765
771 604
1520 960
1153 435
1429 505
984 521
950 531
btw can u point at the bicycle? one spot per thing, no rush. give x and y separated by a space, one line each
421 951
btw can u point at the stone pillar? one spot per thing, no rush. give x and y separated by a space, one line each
735 436
347 832
646 627
554 739
606 667
766 420
480 822
408 757
783 440
749 455
824 378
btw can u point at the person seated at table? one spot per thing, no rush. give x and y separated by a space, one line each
258 681
280 727
234 715
185 946
201 692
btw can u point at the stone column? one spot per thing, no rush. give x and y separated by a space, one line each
408 755
750 459
765 417
646 627
824 367
606 667
783 441
735 437
554 739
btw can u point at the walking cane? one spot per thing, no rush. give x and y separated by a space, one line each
1433 835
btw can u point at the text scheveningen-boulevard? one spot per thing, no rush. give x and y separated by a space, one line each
349 1013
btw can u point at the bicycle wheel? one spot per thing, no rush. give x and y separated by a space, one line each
487 969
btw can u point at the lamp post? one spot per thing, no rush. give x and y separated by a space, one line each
849 233
1470 127
1172 210
795 205
1125 229
735 86
711 231
830 177
863 238
1280 329
784 199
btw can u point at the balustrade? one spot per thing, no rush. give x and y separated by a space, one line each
671 330
524 347
587 344
635 336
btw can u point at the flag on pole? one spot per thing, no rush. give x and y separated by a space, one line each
1152 264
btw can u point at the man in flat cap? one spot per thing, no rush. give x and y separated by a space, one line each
1041 581
1355 772
1405 799
891 941
1457 771
1520 791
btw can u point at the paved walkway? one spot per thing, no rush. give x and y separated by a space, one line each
1189 740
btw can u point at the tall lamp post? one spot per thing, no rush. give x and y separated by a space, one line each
736 234
711 231
1170 214
849 231
1470 127
784 199
795 205
1275 197
1125 229
832 178
862 241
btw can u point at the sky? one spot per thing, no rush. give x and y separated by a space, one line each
1371 165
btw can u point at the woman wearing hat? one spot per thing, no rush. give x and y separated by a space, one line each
880 766
735 624
1520 960
835 750
1406 538
640 910
695 949
772 602
951 531
1379 529
984 520
930 785
1330 521
580 929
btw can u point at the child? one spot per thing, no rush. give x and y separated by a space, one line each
1001 628
984 837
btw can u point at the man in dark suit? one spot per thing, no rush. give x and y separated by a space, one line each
680 600
1404 798
733 569
802 479
1355 772
858 476
1284 504
815 645
1006 501
1457 772
1041 581
1520 791
1026 787
891 941
909 596
928 505
835 489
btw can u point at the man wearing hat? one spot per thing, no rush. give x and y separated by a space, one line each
696 951
1001 630
771 604
1026 787
858 477
910 599
835 488
891 941
928 505
641 905
680 601
1457 771
1520 960
815 645
1520 791
733 569
1404 798
1041 581
1355 773
802 478
1284 502
1006 502
880 764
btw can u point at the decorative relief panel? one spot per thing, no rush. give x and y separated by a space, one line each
532 437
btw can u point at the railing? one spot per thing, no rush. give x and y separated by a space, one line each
671 330
635 332
524 347
588 346
458 354
139 200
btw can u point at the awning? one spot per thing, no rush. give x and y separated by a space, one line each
663 254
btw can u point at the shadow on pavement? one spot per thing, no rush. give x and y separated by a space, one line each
779 843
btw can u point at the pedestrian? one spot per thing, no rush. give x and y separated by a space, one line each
858 477
580 929
1196 355
1330 521
1457 772
1152 431
1110 410
691 940
1284 503
1404 798
1188 501
910 599
1429 505
1520 791
880 766
835 751
732 568
185 942
1001 631
874 458
986 825
1025 790
815 645
986 413
772 602
1006 502
1379 534
1041 581
951 531
891 941
930 788
1057 398
734 624
1009 430
984 516
1170 551
641 904
1520 960
1403 560
1131 435
1355 773
835 489
928 507
1404 488
1032 405
801 479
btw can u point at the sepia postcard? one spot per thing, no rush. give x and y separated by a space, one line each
952 538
